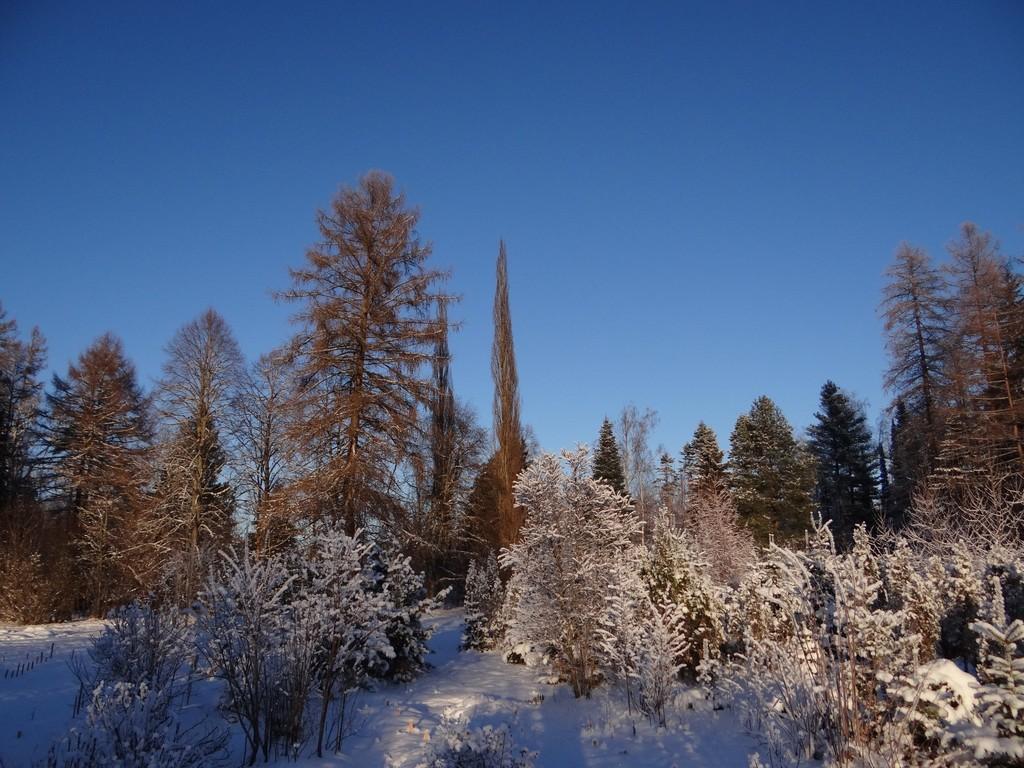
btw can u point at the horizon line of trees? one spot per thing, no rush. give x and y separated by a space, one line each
108 492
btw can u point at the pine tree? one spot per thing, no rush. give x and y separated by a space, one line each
508 430
771 474
702 462
607 464
841 445
367 333
98 433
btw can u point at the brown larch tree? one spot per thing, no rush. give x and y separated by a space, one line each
99 432
366 332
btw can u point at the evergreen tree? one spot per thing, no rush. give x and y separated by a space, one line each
771 474
667 482
607 463
98 433
904 451
841 445
702 462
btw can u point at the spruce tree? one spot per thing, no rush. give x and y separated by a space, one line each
702 462
771 474
841 445
667 482
607 462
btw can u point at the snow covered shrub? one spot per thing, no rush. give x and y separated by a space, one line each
663 642
679 586
484 596
828 686
1000 700
575 553
136 679
140 644
962 595
911 583
407 603
936 708
454 745
241 632
350 610
135 726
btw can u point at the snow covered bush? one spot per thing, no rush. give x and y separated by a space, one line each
679 585
575 553
134 726
140 644
135 680
663 642
484 596
828 686
407 603
454 745
242 632
1000 700
350 611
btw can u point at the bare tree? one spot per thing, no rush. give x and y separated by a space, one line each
634 430
366 333
508 429
263 456
197 395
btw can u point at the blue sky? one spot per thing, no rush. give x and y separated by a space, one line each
699 199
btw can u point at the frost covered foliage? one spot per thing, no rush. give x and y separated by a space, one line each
284 632
242 632
454 745
484 596
134 726
407 602
135 681
575 554
821 683
999 739
677 580
837 657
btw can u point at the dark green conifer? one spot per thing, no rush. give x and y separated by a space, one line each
841 445
607 463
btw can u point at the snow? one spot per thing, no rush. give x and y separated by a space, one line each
36 705
397 721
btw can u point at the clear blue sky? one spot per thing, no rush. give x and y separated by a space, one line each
699 199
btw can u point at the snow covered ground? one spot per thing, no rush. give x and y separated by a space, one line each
396 722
